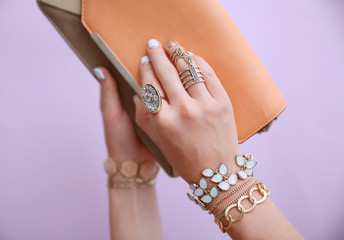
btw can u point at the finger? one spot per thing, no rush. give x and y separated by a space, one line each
119 132
166 72
110 102
197 90
148 76
143 117
212 83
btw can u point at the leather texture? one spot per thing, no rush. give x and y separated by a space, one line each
202 27
258 94
70 28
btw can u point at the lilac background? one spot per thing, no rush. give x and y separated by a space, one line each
52 185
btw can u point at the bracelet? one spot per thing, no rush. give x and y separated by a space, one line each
236 199
229 194
130 174
260 187
221 180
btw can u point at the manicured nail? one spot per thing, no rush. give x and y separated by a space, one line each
170 43
145 60
191 54
153 43
99 74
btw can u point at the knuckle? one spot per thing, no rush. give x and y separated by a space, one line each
188 112
225 108
163 123
210 109
216 108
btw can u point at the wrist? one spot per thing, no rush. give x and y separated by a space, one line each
219 188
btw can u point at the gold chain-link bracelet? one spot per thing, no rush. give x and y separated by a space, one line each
230 194
260 187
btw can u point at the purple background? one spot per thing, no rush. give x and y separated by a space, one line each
52 184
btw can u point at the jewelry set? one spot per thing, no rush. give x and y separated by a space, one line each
221 181
151 97
130 174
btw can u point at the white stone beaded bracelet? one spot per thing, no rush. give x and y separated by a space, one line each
221 181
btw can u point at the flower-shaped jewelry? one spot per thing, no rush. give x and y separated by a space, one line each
221 180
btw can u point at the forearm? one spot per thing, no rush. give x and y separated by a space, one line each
134 213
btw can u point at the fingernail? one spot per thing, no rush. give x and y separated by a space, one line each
145 60
191 54
170 43
153 43
99 74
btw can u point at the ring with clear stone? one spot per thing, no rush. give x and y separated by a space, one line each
191 76
180 53
151 98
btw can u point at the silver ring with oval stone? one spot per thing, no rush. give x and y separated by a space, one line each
151 98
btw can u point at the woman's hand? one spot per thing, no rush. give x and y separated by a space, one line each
129 207
195 128
121 140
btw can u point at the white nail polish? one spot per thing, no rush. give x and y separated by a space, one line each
191 54
145 60
99 74
153 43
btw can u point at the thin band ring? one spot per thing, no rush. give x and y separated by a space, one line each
189 74
193 72
186 70
185 79
179 53
187 86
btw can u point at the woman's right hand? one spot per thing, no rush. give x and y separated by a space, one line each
195 128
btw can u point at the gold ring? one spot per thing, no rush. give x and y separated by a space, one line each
193 82
179 53
193 73
151 98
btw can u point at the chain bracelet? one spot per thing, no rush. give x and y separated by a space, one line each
230 194
259 187
236 199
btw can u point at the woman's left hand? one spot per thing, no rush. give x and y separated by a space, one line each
121 140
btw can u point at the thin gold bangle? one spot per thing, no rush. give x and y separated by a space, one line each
236 199
230 194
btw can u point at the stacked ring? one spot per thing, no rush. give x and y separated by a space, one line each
192 73
179 53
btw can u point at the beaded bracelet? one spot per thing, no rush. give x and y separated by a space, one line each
260 187
130 174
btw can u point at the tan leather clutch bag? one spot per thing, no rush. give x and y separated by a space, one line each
114 34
